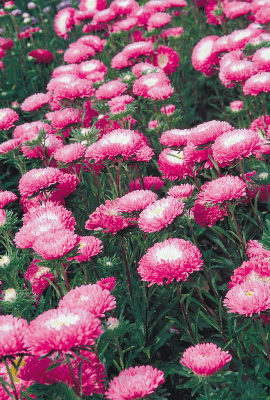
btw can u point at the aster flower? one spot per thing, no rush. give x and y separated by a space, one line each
7 118
95 42
63 118
256 269
171 259
142 85
52 245
7 197
107 283
160 92
110 89
175 32
239 38
91 372
181 192
34 102
236 106
120 142
3 217
145 67
235 9
125 25
160 214
78 53
61 330
214 13
255 249
12 336
89 246
248 298
36 275
29 131
103 16
172 164
167 59
64 22
70 153
9 145
37 179
136 200
168 110
154 6
238 71
133 383
175 137
234 144
20 384
205 359
149 182
91 298
257 84
208 132
137 49
224 189
42 56
86 68
107 217
65 69
123 7
261 59
204 56
158 20
206 214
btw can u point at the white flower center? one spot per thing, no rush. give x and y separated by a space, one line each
175 157
238 137
168 253
61 320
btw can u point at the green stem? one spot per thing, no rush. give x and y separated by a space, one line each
237 227
65 278
259 321
77 389
11 379
185 313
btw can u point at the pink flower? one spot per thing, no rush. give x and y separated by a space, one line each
68 116
120 7
7 118
61 330
234 144
136 200
36 275
181 192
158 20
260 123
91 298
95 42
149 182
77 53
12 336
234 9
34 102
208 132
205 359
119 142
64 22
70 153
9 145
37 179
261 59
107 283
86 68
135 50
52 245
3 217
172 164
203 56
167 59
257 84
89 246
142 85
236 106
168 110
255 249
141 67
160 214
135 383
65 69
42 56
256 269
248 298
110 89
107 217
29 131
171 259
160 92
175 137
176 32
224 189
7 197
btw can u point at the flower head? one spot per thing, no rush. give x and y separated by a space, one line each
135 383
171 259
34 102
91 298
12 331
248 298
7 118
136 200
205 359
61 330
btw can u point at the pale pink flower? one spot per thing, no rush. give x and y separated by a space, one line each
134 383
248 298
205 359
